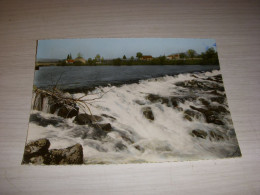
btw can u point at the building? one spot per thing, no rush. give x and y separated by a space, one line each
80 59
147 58
69 61
173 57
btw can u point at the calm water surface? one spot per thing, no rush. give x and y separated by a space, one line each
71 77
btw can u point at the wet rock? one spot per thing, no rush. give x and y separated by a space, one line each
37 152
219 99
153 98
204 102
187 117
199 133
120 146
176 100
156 98
41 121
70 155
139 102
219 109
68 111
218 78
105 126
147 112
84 119
215 136
141 149
108 116
192 114
35 149
210 115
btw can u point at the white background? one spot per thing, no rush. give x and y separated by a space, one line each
234 24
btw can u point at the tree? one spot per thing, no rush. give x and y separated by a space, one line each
183 55
191 53
132 58
124 57
139 55
97 58
90 61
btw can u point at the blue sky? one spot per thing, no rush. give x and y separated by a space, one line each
117 47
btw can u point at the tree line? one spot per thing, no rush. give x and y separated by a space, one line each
190 57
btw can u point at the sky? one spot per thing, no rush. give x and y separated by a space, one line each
118 47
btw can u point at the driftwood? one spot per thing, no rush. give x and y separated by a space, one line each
58 97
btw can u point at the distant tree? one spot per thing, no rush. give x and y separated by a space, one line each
90 61
132 58
210 56
97 58
183 55
117 61
70 57
139 55
124 57
191 53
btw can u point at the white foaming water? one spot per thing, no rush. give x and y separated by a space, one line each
134 138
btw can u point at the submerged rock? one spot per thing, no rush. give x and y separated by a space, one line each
147 112
105 126
199 133
215 136
210 115
84 119
192 114
156 98
68 111
44 122
37 152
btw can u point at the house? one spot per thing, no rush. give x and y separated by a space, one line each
147 58
69 61
80 59
173 57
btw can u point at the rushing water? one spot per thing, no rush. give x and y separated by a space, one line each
69 77
133 137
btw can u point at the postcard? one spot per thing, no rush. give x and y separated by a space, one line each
128 100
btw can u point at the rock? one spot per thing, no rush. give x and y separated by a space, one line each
41 121
156 98
199 133
35 149
204 102
210 115
107 116
215 136
105 126
70 155
147 112
192 114
84 119
175 101
187 117
37 152
120 146
68 111
220 99
153 98
139 102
